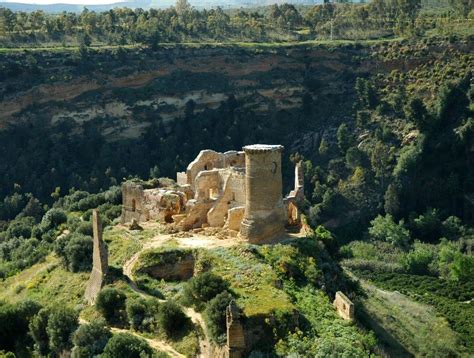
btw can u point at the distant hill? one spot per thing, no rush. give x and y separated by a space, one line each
146 4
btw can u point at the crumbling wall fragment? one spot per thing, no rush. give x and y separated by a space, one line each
100 263
344 306
235 332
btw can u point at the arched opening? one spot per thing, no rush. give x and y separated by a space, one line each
208 166
134 205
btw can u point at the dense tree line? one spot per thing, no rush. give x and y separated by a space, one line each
183 23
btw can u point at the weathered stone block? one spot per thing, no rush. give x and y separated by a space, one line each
344 306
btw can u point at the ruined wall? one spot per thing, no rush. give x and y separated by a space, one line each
208 184
344 306
208 160
295 198
235 332
234 218
233 195
100 263
265 214
162 205
196 215
132 202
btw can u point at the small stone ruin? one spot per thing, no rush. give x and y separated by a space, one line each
344 306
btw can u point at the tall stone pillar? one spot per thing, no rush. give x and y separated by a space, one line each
235 332
100 263
265 213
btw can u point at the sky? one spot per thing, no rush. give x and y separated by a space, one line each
76 2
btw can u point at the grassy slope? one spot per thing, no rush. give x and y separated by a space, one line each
47 282
408 327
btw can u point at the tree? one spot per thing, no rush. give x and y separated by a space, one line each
182 7
323 147
53 218
384 228
418 260
136 312
90 339
392 204
14 319
62 323
78 252
427 227
416 112
354 157
38 330
380 160
463 7
171 318
205 286
111 304
344 138
215 316
124 345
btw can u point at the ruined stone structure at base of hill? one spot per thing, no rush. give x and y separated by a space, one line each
344 306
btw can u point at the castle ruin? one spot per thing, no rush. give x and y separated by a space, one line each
239 191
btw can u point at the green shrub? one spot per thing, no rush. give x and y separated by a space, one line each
38 332
124 345
21 227
90 339
171 318
418 260
62 323
137 310
204 287
14 320
427 227
215 316
75 250
385 228
111 304
53 218
321 233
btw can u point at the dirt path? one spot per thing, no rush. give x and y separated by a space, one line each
193 241
156 344
204 345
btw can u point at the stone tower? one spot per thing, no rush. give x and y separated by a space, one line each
100 263
265 214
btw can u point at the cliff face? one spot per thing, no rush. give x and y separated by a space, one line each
125 94
126 111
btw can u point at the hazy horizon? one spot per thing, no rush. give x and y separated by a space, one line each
72 2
